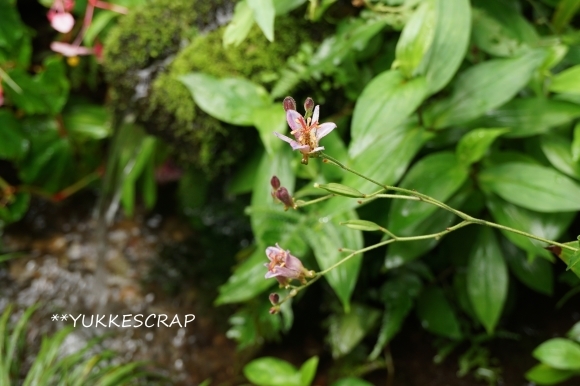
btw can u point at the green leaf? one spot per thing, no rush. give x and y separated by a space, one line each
268 120
361 225
547 225
530 116
574 332
559 353
240 25
308 371
533 187
483 87
500 30
382 107
436 315
264 14
348 329
558 150
325 237
284 6
543 374
270 371
232 100
13 144
567 81
565 10
15 209
487 279
134 170
576 143
44 93
438 175
573 260
400 253
566 256
244 177
86 121
98 24
15 37
341 190
416 39
449 47
384 161
473 145
537 273
247 280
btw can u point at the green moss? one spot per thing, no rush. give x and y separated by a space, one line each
148 36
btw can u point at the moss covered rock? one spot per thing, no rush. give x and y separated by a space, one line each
154 45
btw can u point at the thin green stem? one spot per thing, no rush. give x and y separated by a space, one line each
301 204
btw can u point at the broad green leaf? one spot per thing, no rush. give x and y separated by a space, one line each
232 100
436 314
487 279
246 281
543 374
13 144
348 329
483 87
537 273
382 107
558 151
473 145
282 7
86 121
98 24
416 38
240 25
268 120
270 371
574 332
574 260
384 161
44 93
308 371
500 30
400 253
397 294
565 10
547 225
567 81
264 14
530 116
452 27
244 178
438 175
559 353
15 37
325 237
533 187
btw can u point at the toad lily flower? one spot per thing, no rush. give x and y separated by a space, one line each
285 267
307 131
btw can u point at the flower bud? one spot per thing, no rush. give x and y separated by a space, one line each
274 298
289 103
274 310
283 195
308 106
275 182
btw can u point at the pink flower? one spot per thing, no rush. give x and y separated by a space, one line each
283 266
63 22
307 131
70 49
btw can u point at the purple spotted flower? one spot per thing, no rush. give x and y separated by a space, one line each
307 131
283 266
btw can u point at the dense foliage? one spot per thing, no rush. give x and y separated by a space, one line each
474 104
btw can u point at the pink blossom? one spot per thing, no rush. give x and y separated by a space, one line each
283 266
307 131
63 22
70 49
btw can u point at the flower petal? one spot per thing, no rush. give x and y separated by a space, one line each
272 251
295 145
69 49
62 21
325 129
295 120
315 115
